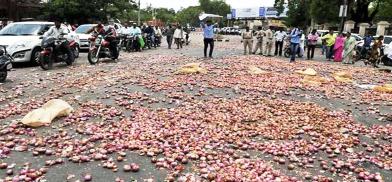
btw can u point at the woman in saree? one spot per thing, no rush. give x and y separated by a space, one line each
349 49
339 46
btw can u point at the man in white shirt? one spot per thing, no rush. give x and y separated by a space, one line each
158 34
57 31
280 35
126 30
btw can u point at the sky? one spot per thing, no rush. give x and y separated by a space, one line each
177 4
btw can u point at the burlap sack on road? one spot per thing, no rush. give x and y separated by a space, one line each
253 70
343 77
387 88
308 71
45 115
190 69
314 80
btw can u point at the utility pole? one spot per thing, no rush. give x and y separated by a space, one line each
343 14
138 14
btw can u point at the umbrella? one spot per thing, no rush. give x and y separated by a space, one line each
209 16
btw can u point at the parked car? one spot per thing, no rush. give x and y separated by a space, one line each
81 31
22 39
387 58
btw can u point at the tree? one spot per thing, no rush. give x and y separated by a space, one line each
385 13
298 14
327 11
322 12
218 7
189 15
82 11
165 15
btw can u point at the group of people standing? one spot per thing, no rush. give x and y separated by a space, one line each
263 36
178 34
339 47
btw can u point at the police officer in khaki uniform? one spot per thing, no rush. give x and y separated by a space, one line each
269 36
259 42
247 39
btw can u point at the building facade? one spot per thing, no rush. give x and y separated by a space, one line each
16 10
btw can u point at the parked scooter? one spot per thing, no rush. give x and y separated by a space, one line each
5 63
54 51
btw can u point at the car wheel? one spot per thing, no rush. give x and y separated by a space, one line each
35 54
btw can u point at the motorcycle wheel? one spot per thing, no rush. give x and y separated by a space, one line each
45 62
76 51
92 57
3 75
386 61
70 60
287 53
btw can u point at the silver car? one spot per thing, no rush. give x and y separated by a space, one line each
23 42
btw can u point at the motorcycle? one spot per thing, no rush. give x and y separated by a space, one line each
100 48
54 52
132 43
5 63
287 51
362 54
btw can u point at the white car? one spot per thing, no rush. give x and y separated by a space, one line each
81 31
23 39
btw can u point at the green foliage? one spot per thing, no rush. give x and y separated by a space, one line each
189 15
323 11
218 7
82 11
385 12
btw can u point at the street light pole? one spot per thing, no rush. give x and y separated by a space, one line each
138 14
343 14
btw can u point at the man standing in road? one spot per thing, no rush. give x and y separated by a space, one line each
295 37
208 33
268 45
330 42
247 39
259 43
280 35
169 36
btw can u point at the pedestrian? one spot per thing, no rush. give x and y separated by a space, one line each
295 36
323 46
367 41
259 44
208 34
178 36
247 39
330 41
338 47
158 34
349 49
375 51
302 45
269 35
169 36
312 42
280 35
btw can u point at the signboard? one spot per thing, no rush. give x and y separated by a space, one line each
259 12
271 12
228 16
343 11
247 13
